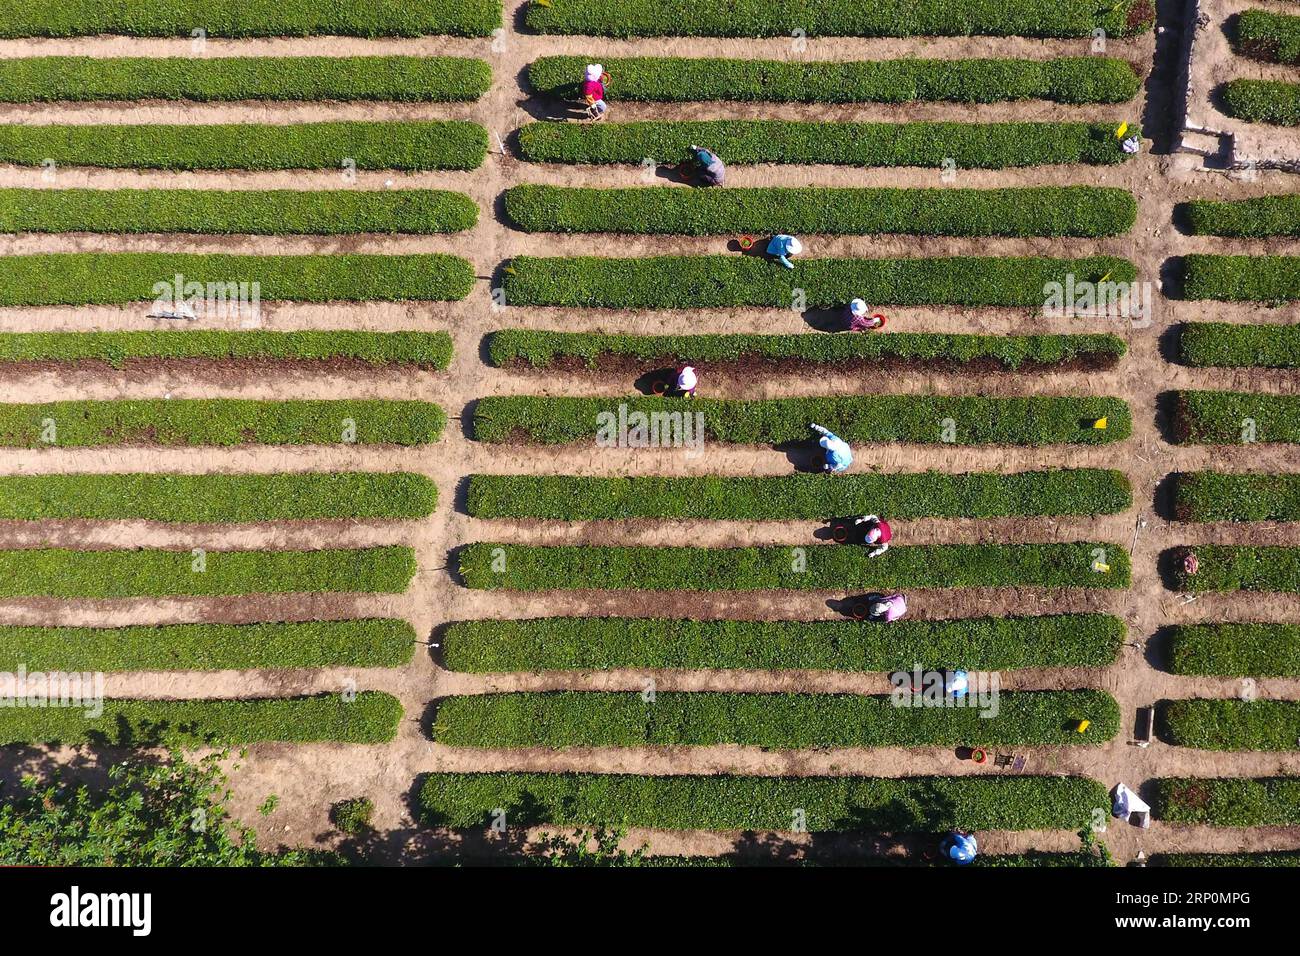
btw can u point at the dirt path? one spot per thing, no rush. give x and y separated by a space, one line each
308 778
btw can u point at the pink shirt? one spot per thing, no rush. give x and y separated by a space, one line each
593 88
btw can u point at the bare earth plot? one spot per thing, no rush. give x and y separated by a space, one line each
780 707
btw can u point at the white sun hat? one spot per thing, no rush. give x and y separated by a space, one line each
858 307
595 71
796 246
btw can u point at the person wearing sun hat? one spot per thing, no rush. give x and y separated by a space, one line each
783 247
593 90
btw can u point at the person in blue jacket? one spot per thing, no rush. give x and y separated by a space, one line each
839 456
783 247
959 847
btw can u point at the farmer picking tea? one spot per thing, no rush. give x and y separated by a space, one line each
860 319
712 170
687 380
839 456
875 530
886 608
593 91
783 247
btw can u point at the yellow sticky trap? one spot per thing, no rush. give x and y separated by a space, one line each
542 3
1100 567
1119 133
1083 725
1101 423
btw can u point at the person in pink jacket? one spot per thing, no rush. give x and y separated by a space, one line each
887 608
593 91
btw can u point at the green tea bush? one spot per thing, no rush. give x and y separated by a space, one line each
609 643
1087 211
60 573
689 802
1083 79
1216 496
217 498
271 212
1235 650
1225 345
884 18
1031 421
746 142
1263 101
1238 568
826 567
274 645
538 349
410 79
1232 418
369 717
219 421
701 282
562 719
1274 37
118 349
798 497
1258 218
1233 724
1236 802
250 18
116 278
1242 278
406 145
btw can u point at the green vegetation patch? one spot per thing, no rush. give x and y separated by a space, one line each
491 566
270 212
1233 724
1258 218
884 18
919 419
220 421
407 145
1263 101
250 18
1237 568
1087 211
410 79
1267 802
562 719
609 643
701 282
201 499
538 349
1274 37
1232 418
60 573
798 497
368 717
907 804
118 349
1216 496
116 278
746 142
1225 345
277 645
1235 650
1083 79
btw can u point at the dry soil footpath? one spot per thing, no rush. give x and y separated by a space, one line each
309 778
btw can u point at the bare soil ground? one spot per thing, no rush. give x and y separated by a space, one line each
309 778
